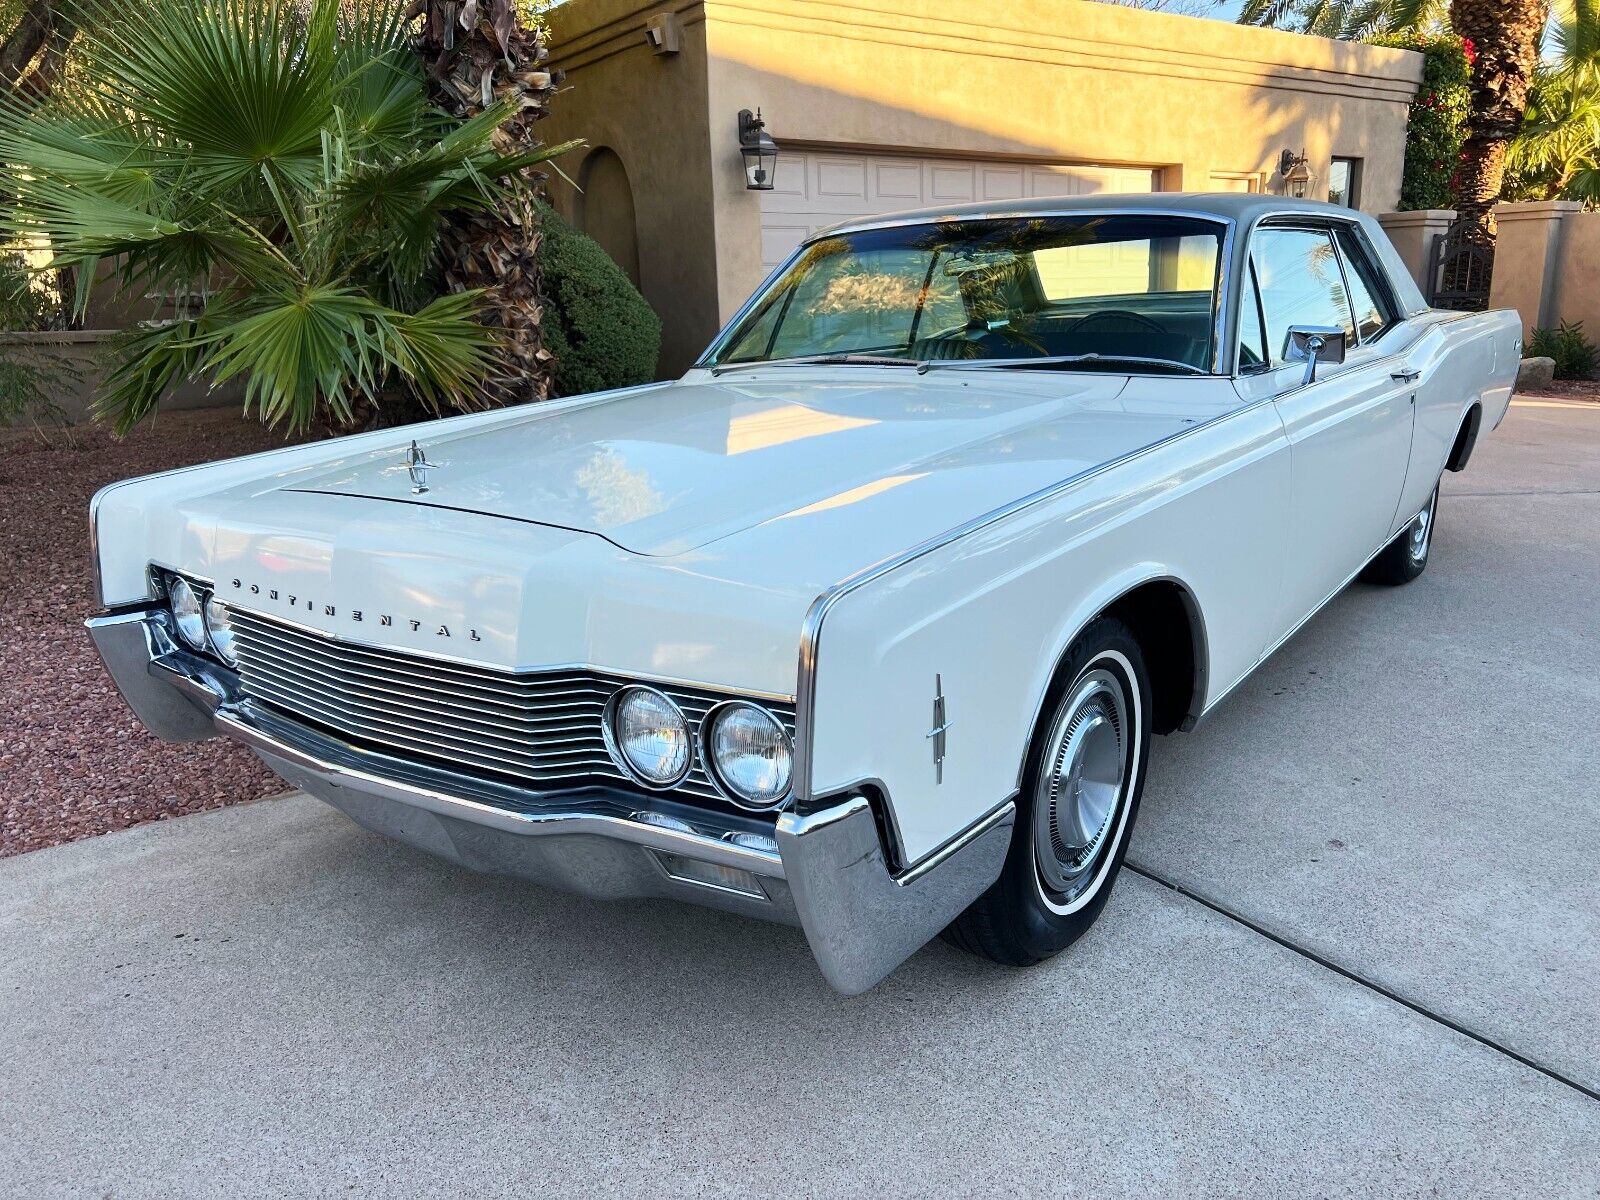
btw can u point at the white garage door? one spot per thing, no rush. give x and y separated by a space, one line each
815 189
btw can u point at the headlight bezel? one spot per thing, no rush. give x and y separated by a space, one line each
713 766
222 646
175 586
169 585
610 728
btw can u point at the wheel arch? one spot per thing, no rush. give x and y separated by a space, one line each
1466 437
1165 617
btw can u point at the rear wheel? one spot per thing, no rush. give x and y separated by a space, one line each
1403 559
1082 782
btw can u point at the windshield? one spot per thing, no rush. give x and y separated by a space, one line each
1071 289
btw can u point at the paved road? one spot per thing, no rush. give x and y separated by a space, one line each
1387 988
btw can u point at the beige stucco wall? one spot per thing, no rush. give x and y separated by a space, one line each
1577 290
1056 80
1527 258
1208 103
651 111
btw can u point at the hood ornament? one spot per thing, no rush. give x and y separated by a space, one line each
418 466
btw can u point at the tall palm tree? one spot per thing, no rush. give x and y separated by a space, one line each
1504 35
1556 154
481 54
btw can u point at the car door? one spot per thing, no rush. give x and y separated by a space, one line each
1349 430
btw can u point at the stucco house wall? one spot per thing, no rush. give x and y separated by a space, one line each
650 113
1206 104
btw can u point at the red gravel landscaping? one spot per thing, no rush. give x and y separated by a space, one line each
1572 389
73 760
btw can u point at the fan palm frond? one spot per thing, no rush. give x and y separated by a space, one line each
280 165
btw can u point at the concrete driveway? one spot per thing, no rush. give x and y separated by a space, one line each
1360 955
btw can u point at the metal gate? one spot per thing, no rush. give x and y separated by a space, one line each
1459 272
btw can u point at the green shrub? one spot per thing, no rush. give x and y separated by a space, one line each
30 377
1436 126
1576 356
597 325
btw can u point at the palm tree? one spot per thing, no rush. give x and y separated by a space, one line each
279 169
482 54
1504 36
1347 19
1556 154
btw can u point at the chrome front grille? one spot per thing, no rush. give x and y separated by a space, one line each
541 728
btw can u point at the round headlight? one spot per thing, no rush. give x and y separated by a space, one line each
186 614
649 737
750 754
219 624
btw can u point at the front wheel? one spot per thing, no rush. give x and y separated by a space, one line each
1082 782
1403 559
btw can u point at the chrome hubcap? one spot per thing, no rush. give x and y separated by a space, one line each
1422 530
1080 791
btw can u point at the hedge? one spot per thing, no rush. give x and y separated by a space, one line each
1436 127
596 323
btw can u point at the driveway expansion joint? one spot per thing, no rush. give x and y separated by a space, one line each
1329 964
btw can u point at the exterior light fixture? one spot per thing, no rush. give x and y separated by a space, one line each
759 151
1295 170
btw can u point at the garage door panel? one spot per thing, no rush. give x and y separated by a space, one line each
815 189
951 184
788 182
1003 183
842 179
898 181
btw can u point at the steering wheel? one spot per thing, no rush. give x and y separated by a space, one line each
1117 316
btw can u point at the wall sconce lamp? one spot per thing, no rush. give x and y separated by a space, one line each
1295 170
760 152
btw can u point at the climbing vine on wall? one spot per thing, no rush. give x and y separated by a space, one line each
1437 124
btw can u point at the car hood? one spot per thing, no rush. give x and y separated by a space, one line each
666 470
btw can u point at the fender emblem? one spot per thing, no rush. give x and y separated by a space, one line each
941 726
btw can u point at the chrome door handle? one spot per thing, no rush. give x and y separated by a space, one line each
1405 375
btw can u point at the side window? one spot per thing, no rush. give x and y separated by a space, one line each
1298 273
1252 340
1368 295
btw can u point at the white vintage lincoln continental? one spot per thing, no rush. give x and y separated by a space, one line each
865 623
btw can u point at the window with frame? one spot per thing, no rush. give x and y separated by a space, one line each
1253 356
1301 283
1369 293
1344 182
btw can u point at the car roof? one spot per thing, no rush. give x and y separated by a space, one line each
1241 207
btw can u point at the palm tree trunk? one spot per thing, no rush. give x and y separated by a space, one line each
24 42
478 52
1504 36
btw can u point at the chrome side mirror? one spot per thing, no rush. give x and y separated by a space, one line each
1312 344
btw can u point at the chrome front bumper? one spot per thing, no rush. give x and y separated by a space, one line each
825 871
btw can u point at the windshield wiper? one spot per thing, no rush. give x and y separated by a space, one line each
1058 360
854 360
